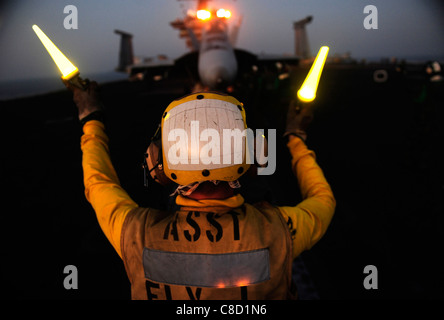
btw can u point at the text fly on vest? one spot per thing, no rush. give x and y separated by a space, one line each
163 291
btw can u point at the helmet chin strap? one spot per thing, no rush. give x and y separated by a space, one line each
212 189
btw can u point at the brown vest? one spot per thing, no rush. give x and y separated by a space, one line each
240 254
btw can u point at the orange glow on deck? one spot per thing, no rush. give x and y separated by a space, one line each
242 283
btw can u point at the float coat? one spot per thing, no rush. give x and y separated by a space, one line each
179 255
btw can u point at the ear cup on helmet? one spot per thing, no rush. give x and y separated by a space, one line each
154 163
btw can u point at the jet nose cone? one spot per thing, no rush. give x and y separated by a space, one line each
220 74
220 77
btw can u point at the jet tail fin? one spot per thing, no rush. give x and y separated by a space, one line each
126 56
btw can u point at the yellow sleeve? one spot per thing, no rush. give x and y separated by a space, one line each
102 187
309 220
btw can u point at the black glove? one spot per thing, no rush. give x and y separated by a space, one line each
299 117
87 100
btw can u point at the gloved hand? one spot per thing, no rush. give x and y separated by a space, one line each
88 100
299 117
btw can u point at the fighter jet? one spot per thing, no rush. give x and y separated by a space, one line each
217 64
213 63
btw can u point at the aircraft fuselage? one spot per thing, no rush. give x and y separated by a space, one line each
217 65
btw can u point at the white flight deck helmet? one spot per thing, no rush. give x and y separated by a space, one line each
191 147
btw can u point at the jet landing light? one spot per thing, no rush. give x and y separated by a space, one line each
203 14
65 66
307 92
222 13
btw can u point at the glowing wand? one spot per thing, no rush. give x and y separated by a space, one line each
307 92
70 72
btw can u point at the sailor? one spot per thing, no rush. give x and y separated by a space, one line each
215 246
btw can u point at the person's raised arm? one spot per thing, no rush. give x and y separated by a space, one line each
102 187
308 220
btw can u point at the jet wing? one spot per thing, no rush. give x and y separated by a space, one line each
272 59
156 70
188 64
161 67
262 62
